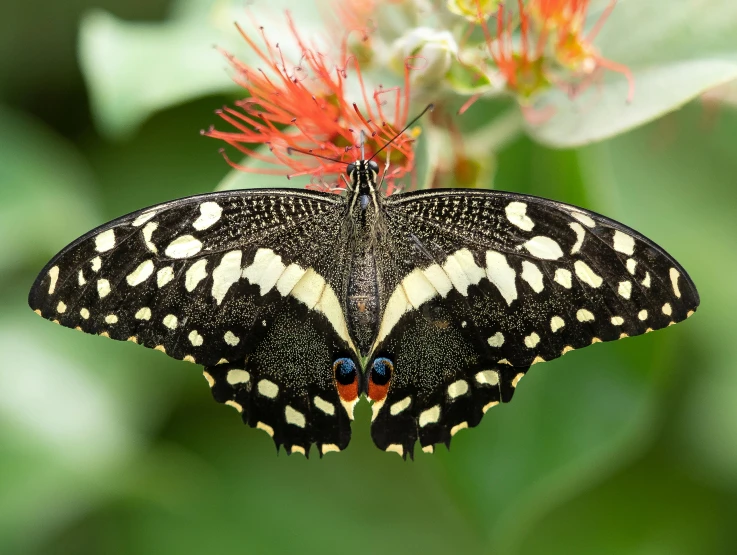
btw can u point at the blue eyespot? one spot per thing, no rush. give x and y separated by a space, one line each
345 371
381 371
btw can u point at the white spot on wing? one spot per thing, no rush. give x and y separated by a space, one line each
532 275
556 323
105 241
395 307
294 417
563 277
400 406
143 218
430 416
265 270
496 340
84 313
231 339
544 248
617 320
141 273
289 278
61 308
642 315
183 247
53 278
438 278
309 289
584 315
164 276
584 219
268 389
631 265
143 313
674 275
488 377
170 321
418 288
80 278
237 376
458 427
457 388
517 215
667 310
103 288
501 274
325 406
195 338
623 243
532 340
147 232
646 280
580 236
195 274
625 289
226 274
330 306
210 213
111 319
96 264
586 274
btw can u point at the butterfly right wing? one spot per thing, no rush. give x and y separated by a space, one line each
229 280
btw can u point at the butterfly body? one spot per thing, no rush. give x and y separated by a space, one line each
433 304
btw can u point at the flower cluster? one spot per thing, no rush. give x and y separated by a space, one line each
305 117
543 43
311 116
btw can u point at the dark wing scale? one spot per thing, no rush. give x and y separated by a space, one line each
295 355
191 301
539 278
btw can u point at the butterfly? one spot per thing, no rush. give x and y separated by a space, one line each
433 304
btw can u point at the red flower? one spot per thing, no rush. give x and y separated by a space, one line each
302 113
552 46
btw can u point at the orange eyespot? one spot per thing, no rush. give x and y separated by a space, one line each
346 379
380 376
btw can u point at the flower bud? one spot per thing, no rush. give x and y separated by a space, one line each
427 52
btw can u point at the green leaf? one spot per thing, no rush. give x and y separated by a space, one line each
135 69
44 186
675 180
674 51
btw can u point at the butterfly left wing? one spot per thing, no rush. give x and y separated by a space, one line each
482 285
231 281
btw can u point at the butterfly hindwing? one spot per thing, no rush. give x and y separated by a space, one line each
495 282
228 280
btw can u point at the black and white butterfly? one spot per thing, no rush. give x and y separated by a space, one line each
434 304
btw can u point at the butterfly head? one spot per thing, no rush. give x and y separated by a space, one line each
363 175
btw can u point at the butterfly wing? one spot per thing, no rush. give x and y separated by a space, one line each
231 281
492 283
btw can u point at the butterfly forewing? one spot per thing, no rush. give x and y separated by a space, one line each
495 282
200 279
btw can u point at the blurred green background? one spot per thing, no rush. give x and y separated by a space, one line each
626 447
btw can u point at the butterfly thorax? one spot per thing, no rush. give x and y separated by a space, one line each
364 224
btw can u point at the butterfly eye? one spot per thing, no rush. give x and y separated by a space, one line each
374 166
351 168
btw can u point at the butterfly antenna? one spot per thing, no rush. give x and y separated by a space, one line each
428 108
363 142
310 153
